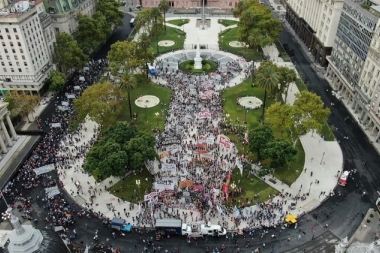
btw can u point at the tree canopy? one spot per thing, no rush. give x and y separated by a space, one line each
306 114
21 104
67 54
258 139
280 152
97 101
120 147
56 80
164 7
257 26
110 9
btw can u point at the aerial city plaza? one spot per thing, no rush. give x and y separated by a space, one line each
161 126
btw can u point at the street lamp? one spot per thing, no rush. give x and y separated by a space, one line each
245 116
246 52
7 215
146 117
309 189
157 114
138 185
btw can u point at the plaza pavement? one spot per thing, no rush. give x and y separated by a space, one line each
322 158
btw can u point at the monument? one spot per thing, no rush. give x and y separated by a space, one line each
198 59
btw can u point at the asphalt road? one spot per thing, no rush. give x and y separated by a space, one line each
342 214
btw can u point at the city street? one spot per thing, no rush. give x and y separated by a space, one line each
341 213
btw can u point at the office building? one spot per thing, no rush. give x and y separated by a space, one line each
181 4
316 23
26 46
64 13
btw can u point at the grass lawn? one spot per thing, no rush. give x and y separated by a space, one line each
146 119
207 66
282 51
289 174
174 34
253 120
251 186
178 22
125 189
227 22
235 111
231 35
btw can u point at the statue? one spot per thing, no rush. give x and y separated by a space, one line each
198 59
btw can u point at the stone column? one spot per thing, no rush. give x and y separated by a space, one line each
9 140
2 145
13 132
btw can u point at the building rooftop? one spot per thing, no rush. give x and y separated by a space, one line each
18 9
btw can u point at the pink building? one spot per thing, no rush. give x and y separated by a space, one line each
183 4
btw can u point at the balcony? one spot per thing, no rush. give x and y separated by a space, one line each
339 74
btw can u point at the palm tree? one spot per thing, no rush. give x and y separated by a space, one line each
155 15
266 78
164 8
127 84
145 43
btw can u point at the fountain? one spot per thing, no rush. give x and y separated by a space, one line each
198 59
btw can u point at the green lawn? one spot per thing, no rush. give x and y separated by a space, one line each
227 22
207 66
178 22
230 107
288 174
251 185
282 52
174 34
146 119
235 111
229 35
127 189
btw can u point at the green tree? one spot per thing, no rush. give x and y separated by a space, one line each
91 33
146 54
121 132
155 13
258 139
127 84
21 104
256 19
110 9
280 152
97 101
57 80
164 8
67 55
266 78
306 114
140 149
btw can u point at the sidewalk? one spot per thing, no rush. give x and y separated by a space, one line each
322 158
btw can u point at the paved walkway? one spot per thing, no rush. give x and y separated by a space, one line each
322 158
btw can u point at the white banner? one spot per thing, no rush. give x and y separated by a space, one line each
163 186
52 191
55 125
70 96
204 115
239 165
150 196
44 169
168 167
210 140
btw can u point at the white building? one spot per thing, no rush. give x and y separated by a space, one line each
316 23
64 13
26 45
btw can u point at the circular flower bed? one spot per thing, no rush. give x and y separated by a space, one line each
207 66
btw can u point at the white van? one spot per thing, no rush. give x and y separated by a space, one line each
213 230
132 22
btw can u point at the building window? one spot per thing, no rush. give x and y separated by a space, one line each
25 64
1 37
5 50
6 30
11 44
17 37
12 70
2 63
4 69
16 57
19 44
17 63
15 30
10 63
23 57
21 51
19 70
